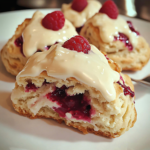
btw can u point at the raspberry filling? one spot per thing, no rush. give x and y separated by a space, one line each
132 27
19 43
79 29
77 105
47 47
126 90
106 57
30 87
123 38
121 78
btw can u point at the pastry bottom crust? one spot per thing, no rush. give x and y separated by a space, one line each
46 112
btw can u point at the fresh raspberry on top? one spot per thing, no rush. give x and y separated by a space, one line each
79 5
77 43
54 21
110 8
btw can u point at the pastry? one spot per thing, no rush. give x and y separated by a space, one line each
75 83
79 11
110 33
35 34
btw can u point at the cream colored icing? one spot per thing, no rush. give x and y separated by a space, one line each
91 69
111 27
36 37
79 18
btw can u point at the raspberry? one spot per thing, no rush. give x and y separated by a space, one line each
79 5
110 9
54 20
77 43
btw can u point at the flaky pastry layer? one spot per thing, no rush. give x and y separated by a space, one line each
128 60
111 119
11 56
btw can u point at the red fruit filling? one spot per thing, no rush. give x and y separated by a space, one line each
110 9
79 5
126 89
79 29
30 87
77 105
121 78
19 43
77 43
54 21
132 28
47 47
106 57
123 38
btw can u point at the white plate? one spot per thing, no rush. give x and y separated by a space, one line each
21 133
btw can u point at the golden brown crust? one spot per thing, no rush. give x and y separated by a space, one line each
11 55
128 60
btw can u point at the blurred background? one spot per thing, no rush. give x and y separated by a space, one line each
132 8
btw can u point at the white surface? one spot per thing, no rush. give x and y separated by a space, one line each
21 133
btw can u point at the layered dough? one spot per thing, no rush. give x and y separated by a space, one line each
35 38
112 113
100 31
111 119
11 56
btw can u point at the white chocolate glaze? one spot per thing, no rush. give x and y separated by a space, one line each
79 18
91 69
111 27
36 37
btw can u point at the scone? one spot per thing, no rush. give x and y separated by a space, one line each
79 11
35 34
117 37
75 83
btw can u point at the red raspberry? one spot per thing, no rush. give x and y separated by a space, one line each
54 20
79 5
77 43
110 8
